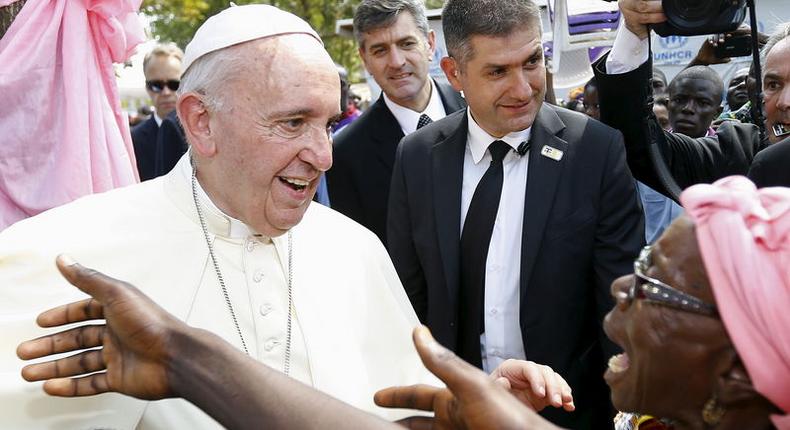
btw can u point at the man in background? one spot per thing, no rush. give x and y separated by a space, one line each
396 46
695 101
162 69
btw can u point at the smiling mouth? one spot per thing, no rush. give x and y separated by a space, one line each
619 363
293 183
400 76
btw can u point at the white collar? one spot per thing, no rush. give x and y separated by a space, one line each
237 230
408 119
157 119
479 139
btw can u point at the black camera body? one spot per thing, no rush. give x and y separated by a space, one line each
698 17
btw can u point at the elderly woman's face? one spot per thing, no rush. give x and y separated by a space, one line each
666 368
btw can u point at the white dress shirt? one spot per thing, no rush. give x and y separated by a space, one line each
157 119
502 331
628 52
408 119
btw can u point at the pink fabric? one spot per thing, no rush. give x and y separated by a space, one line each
63 134
744 237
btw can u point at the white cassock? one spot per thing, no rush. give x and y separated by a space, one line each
351 326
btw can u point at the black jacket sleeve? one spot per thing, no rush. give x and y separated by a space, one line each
626 104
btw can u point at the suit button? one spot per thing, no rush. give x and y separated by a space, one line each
452 324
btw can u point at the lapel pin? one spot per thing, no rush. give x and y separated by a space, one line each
553 153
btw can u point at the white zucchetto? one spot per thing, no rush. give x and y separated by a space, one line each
238 24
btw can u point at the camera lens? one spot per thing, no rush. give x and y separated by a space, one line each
692 13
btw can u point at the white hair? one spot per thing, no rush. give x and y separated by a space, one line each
209 74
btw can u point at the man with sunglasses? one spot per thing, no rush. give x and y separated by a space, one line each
162 69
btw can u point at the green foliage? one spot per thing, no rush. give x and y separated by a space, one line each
177 21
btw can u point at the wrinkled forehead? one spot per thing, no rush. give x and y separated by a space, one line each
287 71
693 86
677 256
778 57
282 61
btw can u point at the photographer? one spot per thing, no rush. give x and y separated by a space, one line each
625 97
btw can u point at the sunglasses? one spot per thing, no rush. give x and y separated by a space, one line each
159 86
656 292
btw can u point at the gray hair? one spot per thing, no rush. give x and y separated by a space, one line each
781 33
374 14
462 19
168 49
209 74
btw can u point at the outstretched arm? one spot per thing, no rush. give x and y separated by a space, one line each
147 353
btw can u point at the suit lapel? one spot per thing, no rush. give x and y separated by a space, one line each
386 134
451 100
542 178
447 158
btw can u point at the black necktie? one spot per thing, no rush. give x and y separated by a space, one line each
424 120
475 239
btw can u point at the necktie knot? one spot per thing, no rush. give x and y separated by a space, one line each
423 121
498 150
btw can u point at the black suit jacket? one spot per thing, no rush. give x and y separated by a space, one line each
170 146
625 105
144 141
582 228
364 152
771 167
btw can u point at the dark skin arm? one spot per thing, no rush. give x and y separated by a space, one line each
147 353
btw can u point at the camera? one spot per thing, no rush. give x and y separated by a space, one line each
697 17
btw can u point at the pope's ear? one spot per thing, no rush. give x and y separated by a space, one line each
195 118
451 69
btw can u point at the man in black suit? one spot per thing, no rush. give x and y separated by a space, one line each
162 69
396 45
543 203
171 144
624 96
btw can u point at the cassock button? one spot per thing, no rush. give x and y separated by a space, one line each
265 309
250 245
258 276
270 344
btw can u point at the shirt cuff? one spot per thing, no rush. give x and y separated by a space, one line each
628 53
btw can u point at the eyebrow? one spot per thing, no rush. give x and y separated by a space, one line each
289 113
383 44
538 52
774 76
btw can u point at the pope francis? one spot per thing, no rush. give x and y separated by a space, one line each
228 241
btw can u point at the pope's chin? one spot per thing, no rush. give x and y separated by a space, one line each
287 207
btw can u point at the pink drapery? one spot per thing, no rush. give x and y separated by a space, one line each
62 132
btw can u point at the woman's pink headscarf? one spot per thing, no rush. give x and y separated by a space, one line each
744 238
